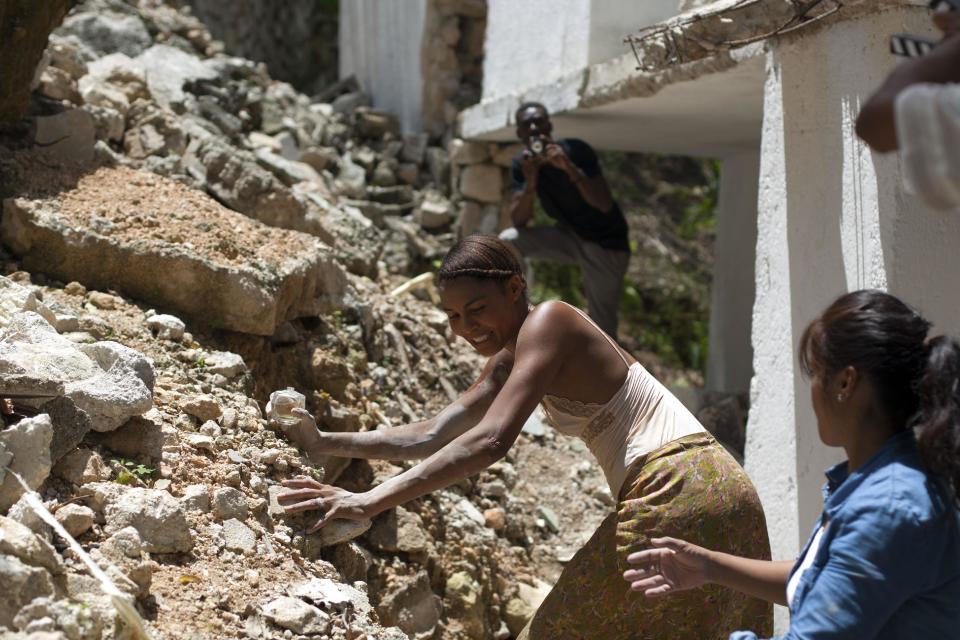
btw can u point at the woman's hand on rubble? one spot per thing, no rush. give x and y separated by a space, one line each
304 434
671 565
306 494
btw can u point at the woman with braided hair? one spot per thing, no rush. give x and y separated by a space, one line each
667 472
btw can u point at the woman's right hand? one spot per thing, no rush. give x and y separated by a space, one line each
304 434
671 565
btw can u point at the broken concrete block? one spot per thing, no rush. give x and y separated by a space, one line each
229 272
25 450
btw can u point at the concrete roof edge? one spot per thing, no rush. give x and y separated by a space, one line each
718 27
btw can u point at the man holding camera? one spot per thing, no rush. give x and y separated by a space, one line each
590 229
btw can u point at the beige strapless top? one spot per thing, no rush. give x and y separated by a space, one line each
642 416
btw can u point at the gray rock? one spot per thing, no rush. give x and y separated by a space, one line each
81 466
296 615
125 543
21 584
349 102
19 541
230 503
97 92
400 530
371 123
107 381
414 147
550 517
340 531
108 32
411 605
352 177
227 364
196 498
168 69
290 172
156 515
25 450
205 407
166 326
15 298
67 137
238 536
320 158
434 214
140 437
75 518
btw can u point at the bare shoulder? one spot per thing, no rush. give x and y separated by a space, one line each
550 324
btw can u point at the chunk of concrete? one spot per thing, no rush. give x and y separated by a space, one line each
25 450
232 273
156 515
21 584
296 615
67 136
15 298
19 541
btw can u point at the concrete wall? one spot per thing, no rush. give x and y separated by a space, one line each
611 20
832 218
730 361
380 42
532 42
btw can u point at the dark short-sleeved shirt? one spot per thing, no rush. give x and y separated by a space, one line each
562 201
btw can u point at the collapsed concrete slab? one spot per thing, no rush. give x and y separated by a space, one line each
119 228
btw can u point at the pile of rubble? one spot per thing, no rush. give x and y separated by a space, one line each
186 235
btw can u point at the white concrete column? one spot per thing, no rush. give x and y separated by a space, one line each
832 218
730 361
381 43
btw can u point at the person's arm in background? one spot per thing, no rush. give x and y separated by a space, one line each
876 124
524 174
583 169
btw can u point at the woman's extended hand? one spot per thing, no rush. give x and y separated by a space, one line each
306 494
672 565
304 434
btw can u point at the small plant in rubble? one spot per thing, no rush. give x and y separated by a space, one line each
129 471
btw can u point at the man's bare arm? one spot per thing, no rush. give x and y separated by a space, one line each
876 124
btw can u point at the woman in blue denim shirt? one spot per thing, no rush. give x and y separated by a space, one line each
884 559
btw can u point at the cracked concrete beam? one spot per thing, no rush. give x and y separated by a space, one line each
727 24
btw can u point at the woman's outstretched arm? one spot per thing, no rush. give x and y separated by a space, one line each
413 441
536 363
675 565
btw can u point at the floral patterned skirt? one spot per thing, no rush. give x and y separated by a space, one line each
691 489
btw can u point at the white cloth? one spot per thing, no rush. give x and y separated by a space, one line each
804 565
928 133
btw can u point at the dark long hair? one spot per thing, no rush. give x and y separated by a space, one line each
916 377
480 256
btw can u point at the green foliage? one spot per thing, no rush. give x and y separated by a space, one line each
130 471
665 306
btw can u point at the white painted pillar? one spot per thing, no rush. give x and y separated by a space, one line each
381 43
832 218
730 361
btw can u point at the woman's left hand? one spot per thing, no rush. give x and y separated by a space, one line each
306 494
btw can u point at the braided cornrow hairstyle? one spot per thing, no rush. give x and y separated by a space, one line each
480 256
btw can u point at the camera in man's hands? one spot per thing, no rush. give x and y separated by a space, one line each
536 144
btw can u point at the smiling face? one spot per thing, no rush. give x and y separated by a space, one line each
487 313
